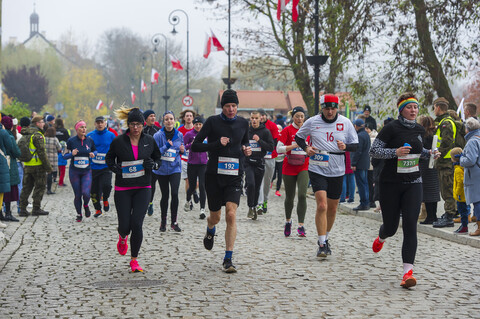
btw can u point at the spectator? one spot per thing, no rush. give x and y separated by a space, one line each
470 110
368 118
430 185
470 160
50 121
360 164
348 188
372 132
280 120
61 132
53 148
459 193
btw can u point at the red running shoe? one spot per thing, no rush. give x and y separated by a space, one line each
277 193
135 266
122 245
377 245
408 280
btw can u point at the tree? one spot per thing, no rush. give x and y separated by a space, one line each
28 86
15 108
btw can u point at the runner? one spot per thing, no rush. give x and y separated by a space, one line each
294 172
197 165
101 175
132 156
261 142
400 144
170 143
187 117
227 145
150 129
80 148
331 134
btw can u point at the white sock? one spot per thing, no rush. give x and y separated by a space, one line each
326 237
321 239
407 268
381 240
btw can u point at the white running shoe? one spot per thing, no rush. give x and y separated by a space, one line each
2 225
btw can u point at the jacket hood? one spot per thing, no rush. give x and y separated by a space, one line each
251 129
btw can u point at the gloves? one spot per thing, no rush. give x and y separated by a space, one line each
116 168
149 164
458 155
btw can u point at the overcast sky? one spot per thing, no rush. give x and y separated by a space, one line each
90 18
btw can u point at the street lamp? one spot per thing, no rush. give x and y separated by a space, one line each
155 42
144 56
174 20
228 81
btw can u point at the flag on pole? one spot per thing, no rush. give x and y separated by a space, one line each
216 44
461 110
111 105
133 97
143 86
281 6
211 44
176 63
99 105
154 76
295 10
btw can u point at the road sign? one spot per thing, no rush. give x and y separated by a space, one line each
187 100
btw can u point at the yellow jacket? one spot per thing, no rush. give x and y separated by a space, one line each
458 191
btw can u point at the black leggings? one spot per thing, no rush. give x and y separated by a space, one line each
167 183
195 171
405 199
277 173
153 183
431 208
254 177
131 208
101 186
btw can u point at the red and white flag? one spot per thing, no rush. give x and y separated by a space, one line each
99 105
295 10
154 76
143 86
211 44
133 97
111 105
282 4
176 63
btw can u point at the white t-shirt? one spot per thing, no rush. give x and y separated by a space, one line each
324 136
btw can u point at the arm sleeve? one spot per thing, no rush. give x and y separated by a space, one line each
352 147
198 145
245 139
267 142
470 154
110 158
57 145
281 148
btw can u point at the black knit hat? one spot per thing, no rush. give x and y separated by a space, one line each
229 96
147 113
198 119
25 122
135 115
297 109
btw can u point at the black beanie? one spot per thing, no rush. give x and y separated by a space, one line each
147 113
198 119
229 96
135 115
25 122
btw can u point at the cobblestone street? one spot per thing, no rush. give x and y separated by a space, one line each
53 267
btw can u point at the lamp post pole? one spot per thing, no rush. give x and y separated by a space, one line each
174 20
155 42
144 57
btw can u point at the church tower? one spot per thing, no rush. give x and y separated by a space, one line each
33 22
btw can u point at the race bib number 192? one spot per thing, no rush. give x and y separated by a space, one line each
228 166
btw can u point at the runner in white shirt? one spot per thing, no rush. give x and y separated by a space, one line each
331 134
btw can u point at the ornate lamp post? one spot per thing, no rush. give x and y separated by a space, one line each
155 42
174 20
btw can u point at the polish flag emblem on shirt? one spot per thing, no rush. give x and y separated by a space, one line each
339 126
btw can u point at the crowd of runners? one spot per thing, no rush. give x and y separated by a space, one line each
219 159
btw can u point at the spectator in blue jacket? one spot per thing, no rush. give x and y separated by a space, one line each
170 143
361 163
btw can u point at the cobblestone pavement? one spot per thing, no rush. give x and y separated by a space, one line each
53 267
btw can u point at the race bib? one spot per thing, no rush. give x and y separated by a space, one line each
228 166
255 146
298 151
408 163
81 161
169 155
320 159
132 169
185 155
268 155
99 158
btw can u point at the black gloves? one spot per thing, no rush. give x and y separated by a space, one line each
150 164
116 168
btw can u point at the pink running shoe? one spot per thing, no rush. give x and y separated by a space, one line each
122 245
377 245
301 231
277 193
408 280
135 266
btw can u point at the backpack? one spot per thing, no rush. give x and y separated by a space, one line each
24 146
459 132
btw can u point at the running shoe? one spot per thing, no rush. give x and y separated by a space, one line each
329 251
87 211
188 206
277 193
250 213
106 205
288 229
301 231
259 210
122 245
163 228
98 213
322 250
191 205
196 199
228 266
208 241
150 209
202 213
462 230
135 266
377 245
79 218
176 228
264 207
408 280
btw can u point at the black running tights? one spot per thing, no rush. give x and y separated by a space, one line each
405 199
195 171
169 183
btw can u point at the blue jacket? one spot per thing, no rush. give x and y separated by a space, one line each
14 154
102 140
171 162
471 161
81 161
6 146
361 157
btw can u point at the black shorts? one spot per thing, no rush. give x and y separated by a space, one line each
332 185
221 189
